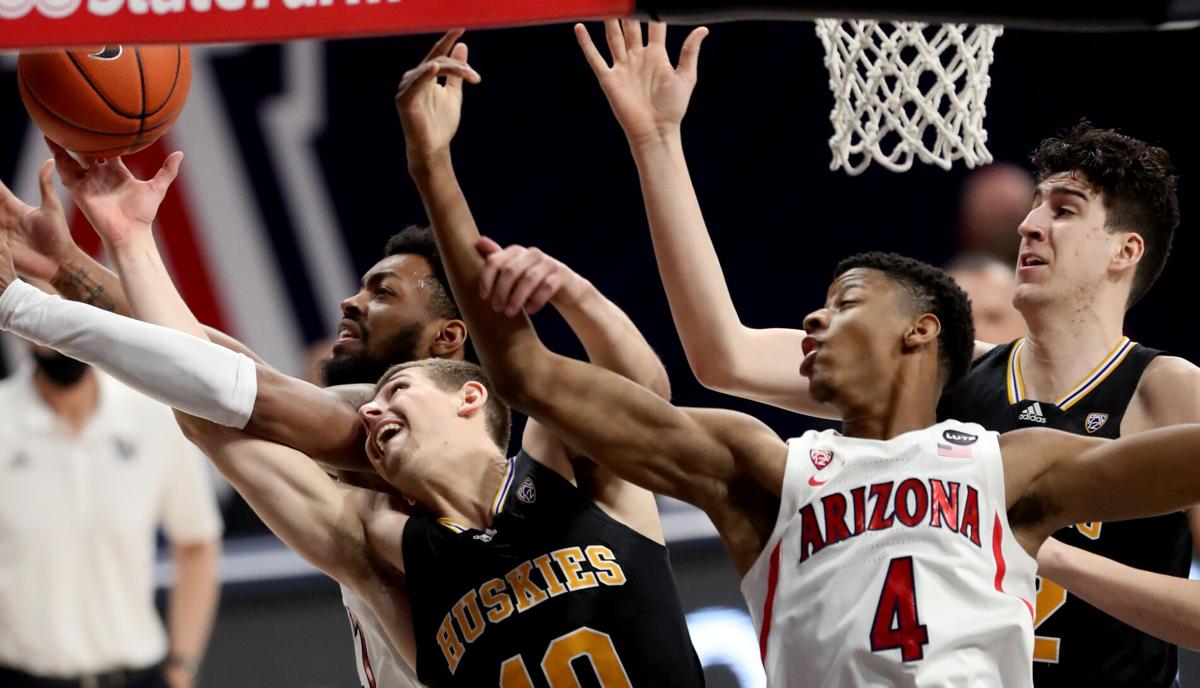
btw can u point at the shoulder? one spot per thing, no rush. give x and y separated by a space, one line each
982 349
738 431
352 395
758 453
1170 370
1169 391
1046 441
542 446
385 523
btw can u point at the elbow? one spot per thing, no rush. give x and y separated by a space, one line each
660 384
519 385
712 372
191 428
506 381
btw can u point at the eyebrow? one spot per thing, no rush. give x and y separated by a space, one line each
1069 190
376 277
384 383
843 285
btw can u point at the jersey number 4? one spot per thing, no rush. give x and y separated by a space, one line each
582 643
897 623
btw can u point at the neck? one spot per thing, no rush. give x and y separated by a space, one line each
1065 342
464 485
909 404
74 404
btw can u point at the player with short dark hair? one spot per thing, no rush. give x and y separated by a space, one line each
896 552
1084 243
614 525
1097 238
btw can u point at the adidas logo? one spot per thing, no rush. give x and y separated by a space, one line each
1033 413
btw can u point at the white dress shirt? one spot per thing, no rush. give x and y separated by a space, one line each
78 522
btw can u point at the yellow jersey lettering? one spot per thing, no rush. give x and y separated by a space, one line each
527 593
555 586
496 599
452 647
604 561
470 619
569 560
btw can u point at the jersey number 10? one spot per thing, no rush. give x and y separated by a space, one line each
597 647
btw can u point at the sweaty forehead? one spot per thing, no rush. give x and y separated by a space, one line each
407 266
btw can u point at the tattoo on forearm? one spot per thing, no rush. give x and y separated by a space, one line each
78 284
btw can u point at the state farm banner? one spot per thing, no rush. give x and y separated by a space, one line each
60 23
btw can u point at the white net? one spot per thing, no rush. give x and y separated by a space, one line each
905 90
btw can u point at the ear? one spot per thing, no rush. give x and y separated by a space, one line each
1129 252
922 331
473 397
450 340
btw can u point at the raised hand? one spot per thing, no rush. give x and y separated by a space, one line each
518 277
117 204
430 111
38 238
647 94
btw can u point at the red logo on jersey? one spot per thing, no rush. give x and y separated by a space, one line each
812 480
820 457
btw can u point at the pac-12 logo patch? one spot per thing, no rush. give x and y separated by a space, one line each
962 439
526 492
820 457
1094 422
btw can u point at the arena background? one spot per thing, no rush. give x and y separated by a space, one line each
295 177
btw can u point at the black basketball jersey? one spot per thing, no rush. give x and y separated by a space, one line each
555 593
1076 644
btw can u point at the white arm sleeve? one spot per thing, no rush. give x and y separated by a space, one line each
175 368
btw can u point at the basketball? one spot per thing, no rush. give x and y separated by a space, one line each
107 101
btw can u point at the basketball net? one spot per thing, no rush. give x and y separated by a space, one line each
905 90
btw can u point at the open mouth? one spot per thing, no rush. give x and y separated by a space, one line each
348 330
384 433
808 346
1030 261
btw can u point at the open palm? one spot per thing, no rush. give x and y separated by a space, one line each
648 95
117 203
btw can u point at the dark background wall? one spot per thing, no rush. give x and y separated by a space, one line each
544 164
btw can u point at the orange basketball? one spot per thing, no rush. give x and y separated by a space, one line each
106 101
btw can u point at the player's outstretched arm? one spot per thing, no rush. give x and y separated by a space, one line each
1166 607
649 97
516 279
122 209
318 518
623 426
1054 479
43 249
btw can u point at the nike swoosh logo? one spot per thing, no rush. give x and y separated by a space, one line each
812 480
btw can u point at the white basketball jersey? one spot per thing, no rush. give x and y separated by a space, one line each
892 564
379 664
